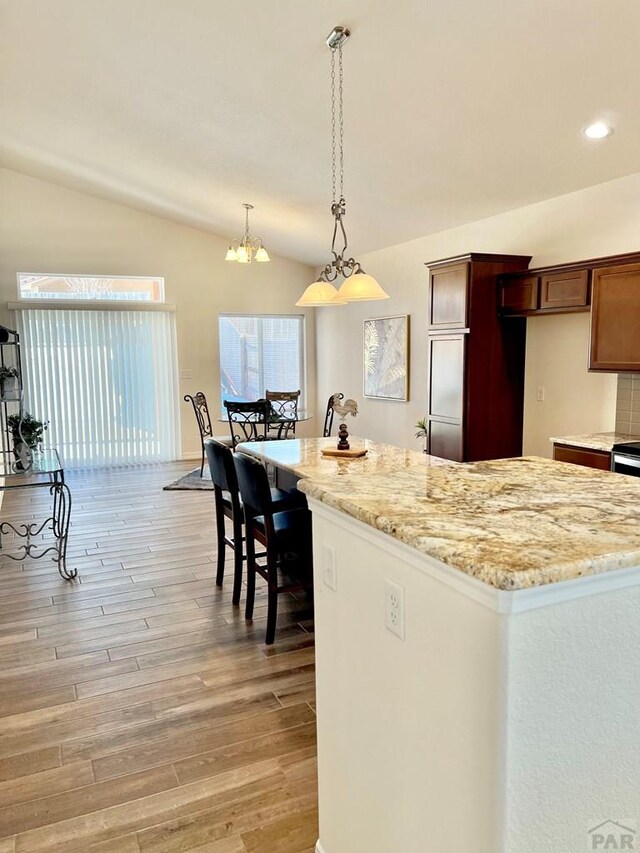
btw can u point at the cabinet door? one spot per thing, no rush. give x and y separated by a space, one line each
582 456
615 319
448 300
446 395
446 376
446 441
565 290
519 296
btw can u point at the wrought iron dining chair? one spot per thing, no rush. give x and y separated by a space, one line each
328 418
284 405
203 418
228 504
286 537
248 421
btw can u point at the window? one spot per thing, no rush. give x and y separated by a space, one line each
260 353
84 287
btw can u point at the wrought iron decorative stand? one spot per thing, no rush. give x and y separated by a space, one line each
31 469
58 522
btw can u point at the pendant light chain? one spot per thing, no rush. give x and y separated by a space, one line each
341 119
337 139
333 126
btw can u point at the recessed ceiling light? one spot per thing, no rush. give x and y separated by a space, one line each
598 130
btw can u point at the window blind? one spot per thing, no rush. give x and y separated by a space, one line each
259 353
105 380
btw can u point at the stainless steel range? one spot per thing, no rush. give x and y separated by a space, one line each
625 458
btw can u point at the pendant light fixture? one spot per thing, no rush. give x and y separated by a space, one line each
248 248
357 286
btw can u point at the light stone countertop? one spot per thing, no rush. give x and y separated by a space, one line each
595 440
511 523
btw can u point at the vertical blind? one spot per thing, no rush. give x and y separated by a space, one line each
105 380
259 353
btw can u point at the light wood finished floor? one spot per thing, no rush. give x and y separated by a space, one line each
138 710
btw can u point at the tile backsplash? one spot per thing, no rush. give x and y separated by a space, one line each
628 403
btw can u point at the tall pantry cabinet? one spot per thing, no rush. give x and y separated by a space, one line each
476 360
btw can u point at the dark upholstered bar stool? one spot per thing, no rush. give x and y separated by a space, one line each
228 503
285 535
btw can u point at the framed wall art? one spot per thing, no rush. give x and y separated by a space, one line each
386 358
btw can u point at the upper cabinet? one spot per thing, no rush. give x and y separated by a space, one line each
449 292
519 295
615 319
608 287
543 292
562 290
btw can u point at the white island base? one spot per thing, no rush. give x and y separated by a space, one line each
503 722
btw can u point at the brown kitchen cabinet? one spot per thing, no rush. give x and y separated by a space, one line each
446 440
476 361
564 290
544 293
520 295
582 456
615 319
448 297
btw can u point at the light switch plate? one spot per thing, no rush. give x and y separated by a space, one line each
186 374
329 566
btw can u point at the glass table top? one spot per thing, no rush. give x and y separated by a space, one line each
46 461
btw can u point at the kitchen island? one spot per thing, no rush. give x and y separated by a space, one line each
496 709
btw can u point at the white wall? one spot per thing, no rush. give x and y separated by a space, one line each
601 220
46 228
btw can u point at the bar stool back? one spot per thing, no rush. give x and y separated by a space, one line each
228 504
286 537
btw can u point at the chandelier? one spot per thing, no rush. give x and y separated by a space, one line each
248 248
357 286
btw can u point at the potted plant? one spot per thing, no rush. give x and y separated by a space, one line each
27 433
8 380
422 431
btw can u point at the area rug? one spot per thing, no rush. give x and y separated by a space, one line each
192 482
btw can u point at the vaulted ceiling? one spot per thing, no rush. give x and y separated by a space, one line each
455 109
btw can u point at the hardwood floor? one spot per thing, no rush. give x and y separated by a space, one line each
139 711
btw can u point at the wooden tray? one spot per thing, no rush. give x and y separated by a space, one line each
354 453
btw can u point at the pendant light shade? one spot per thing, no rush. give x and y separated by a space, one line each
320 294
231 255
262 256
242 255
361 287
